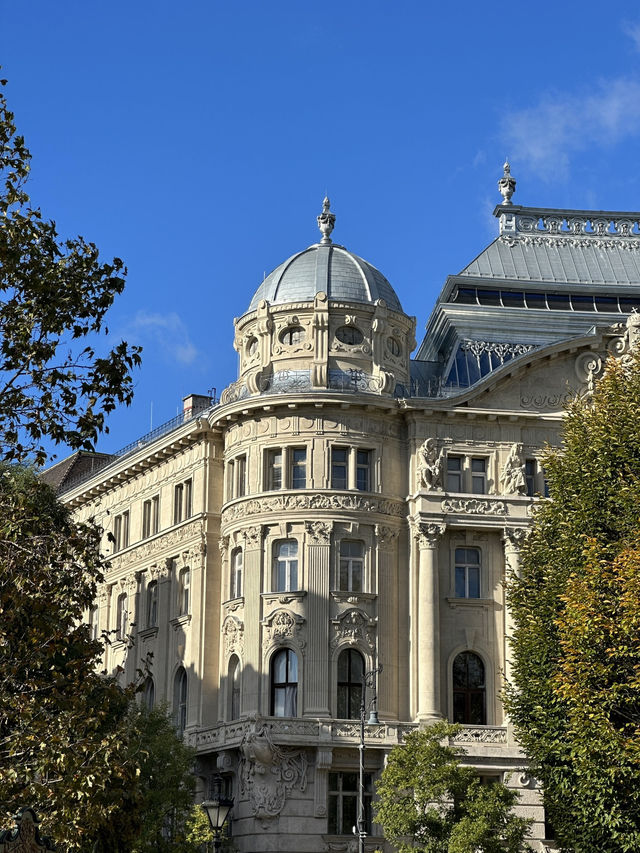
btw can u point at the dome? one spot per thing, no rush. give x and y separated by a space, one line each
325 268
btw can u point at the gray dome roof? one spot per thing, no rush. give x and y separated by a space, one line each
326 268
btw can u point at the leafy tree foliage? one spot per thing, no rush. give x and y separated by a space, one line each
575 701
429 802
54 295
66 747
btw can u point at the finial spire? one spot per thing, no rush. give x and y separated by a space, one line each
507 184
326 221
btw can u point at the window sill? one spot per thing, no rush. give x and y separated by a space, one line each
469 602
146 633
284 597
352 597
180 621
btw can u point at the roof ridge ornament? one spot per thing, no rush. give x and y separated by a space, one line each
326 221
507 184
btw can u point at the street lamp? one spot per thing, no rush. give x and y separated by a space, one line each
368 680
217 809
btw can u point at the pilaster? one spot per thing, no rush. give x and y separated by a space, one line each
316 685
429 702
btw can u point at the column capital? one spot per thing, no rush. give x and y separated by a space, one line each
253 536
386 535
514 537
428 533
319 531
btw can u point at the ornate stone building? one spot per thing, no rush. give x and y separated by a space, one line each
344 506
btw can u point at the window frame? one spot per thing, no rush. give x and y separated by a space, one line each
122 616
352 468
184 591
350 689
468 693
180 700
121 531
287 560
479 475
337 822
152 605
462 563
351 560
290 684
235 573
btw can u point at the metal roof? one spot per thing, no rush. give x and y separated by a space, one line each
325 268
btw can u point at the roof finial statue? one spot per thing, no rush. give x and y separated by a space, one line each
326 221
507 184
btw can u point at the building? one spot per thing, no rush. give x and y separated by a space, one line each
344 507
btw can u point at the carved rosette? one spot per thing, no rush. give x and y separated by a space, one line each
427 534
352 627
319 531
280 627
233 636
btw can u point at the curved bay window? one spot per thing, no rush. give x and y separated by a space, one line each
350 673
469 690
180 700
284 684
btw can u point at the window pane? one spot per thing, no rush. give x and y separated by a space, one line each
293 666
459 708
476 708
461 591
478 465
293 574
474 582
475 670
356 576
344 575
477 485
280 667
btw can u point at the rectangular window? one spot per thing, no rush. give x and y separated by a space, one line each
177 503
122 617
231 479
152 604
530 476
236 573
454 473
184 591
188 499
298 468
121 531
478 476
339 467
241 476
274 469
146 519
363 470
343 803
351 569
286 566
467 573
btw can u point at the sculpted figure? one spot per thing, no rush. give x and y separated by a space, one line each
430 465
512 479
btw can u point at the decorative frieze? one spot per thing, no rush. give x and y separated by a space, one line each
546 401
474 506
169 541
287 503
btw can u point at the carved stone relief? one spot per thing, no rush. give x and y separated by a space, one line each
319 531
427 534
513 479
269 772
386 535
286 503
430 465
233 635
170 541
474 506
354 626
281 626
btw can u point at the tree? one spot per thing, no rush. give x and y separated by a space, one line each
575 700
66 746
54 294
429 801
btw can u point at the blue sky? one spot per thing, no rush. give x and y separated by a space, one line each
196 141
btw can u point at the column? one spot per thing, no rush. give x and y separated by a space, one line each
387 600
316 686
429 702
252 664
513 538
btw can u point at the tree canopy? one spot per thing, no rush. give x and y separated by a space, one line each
55 383
575 700
430 802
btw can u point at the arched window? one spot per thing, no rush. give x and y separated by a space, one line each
235 590
469 690
149 693
122 617
152 604
180 700
233 687
284 684
350 672
286 566
184 590
467 573
351 569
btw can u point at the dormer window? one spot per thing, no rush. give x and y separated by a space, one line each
349 335
292 335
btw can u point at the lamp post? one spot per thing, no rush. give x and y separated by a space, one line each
217 809
368 680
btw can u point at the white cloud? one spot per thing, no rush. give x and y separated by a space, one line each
633 31
167 331
546 135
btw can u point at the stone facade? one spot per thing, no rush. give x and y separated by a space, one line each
344 507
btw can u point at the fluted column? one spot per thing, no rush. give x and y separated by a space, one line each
387 541
252 616
513 538
429 702
316 681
